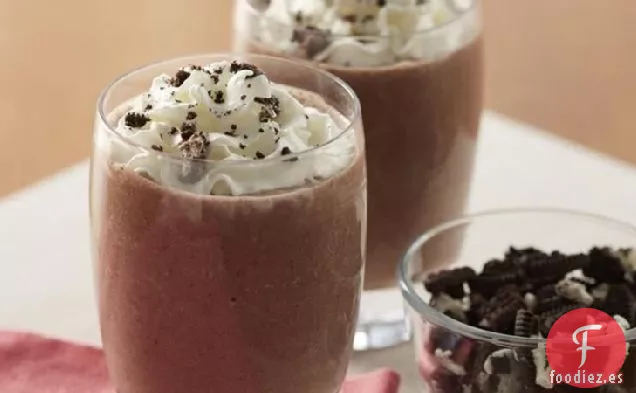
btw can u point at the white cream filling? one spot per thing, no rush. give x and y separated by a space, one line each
574 291
543 368
445 303
447 363
397 30
224 105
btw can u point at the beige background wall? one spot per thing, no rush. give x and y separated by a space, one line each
566 65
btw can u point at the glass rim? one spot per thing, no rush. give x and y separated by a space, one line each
459 14
350 125
419 305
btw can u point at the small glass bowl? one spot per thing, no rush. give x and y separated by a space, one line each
450 353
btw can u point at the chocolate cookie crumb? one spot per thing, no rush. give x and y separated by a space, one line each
266 114
236 66
195 147
259 155
136 120
157 147
285 151
271 102
191 116
219 97
179 78
187 130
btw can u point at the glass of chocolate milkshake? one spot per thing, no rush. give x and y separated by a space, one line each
485 322
228 209
416 66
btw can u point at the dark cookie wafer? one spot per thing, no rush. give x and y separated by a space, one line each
605 267
546 292
450 282
535 283
554 265
488 285
495 266
525 323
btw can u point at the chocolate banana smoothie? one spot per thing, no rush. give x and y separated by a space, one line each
229 223
417 67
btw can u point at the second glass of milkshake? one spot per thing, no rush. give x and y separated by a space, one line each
417 67
228 214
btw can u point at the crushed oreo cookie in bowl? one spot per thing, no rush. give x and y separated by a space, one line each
522 295
481 325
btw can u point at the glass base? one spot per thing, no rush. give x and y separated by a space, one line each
382 322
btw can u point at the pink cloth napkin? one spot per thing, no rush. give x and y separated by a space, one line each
31 363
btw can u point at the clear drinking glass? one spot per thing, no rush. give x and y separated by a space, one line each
250 293
421 94
488 236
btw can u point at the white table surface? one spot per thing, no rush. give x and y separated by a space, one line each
45 270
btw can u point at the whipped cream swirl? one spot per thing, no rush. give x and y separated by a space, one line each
365 33
216 116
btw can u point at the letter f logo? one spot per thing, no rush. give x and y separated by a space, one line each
584 347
